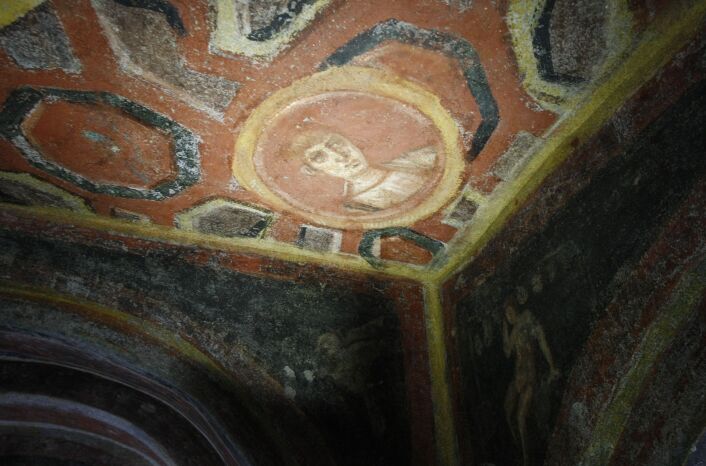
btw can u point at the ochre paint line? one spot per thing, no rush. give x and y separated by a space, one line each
658 337
135 325
522 19
72 202
12 10
444 424
227 37
659 44
657 47
475 196
354 79
111 316
263 248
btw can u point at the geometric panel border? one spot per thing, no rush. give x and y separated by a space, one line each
35 192
224 217
185 151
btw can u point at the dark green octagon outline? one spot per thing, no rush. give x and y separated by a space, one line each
22 101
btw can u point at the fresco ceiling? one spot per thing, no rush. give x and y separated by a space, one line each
307 126
383 172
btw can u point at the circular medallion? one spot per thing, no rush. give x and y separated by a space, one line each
351 148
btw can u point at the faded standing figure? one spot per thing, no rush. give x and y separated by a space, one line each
367 188
522 340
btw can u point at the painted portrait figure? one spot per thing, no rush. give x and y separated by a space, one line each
367 188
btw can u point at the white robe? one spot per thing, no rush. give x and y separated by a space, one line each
404 177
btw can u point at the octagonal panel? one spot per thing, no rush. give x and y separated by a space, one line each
101 143
463 110
81 153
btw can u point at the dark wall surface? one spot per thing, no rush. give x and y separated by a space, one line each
334 351
561 278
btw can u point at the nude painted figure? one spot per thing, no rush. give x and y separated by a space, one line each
522 340
367 188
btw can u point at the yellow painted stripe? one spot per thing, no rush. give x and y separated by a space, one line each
522 19
11 10
136 325
475 196
71 201
264 248
229 37
672 317
356 79
657 47
444 425
659 44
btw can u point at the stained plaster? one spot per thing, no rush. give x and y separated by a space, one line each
590 117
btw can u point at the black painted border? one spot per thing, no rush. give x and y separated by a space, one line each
542 49
160 6
365 247
265 33
185 143
454 47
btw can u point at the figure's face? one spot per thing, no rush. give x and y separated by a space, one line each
336 157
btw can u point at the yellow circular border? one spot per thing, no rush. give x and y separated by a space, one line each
353 78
